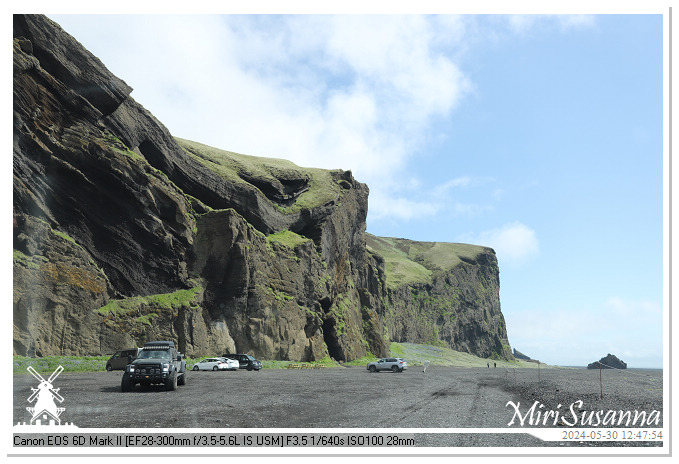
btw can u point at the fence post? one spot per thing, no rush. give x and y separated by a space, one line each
601 384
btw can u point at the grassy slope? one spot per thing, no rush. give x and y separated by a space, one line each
416 354
234 166
411 262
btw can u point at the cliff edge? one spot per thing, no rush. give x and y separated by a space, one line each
123 233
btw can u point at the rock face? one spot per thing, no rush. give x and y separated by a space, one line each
519 355
123 234
609 361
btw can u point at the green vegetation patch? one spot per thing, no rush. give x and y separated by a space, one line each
174 300
399 267
410 262
368 358
131 315
287 238
48 364
253 170
111 141
30 262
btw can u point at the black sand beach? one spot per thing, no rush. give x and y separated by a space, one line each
342 398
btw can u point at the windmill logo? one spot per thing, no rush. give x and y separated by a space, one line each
45 410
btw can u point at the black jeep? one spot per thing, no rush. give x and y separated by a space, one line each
157 363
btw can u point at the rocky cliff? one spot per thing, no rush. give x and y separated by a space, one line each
123 233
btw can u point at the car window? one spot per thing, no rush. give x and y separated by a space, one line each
160 354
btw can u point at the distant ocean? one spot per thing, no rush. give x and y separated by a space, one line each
634 369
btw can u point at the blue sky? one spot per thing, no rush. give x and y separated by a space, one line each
538 135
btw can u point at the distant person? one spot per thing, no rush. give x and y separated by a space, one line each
494 364
488 364
426 364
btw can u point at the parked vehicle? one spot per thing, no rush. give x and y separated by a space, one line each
388 364
122 358
158 363
210 364
245 361
231 364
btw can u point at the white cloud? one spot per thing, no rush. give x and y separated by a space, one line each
399 208
514 243
523 24
618 307
423 200
458 182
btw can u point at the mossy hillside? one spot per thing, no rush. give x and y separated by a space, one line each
236 168
410 262
416 354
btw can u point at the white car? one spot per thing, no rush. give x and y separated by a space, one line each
210 364
388 364
231 364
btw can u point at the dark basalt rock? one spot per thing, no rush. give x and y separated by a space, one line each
123 233
519 355
609 361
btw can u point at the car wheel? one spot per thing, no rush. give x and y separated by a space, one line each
109 367
126 384
182 379
249 368
394 368
214 368
373 369
171 382
195 368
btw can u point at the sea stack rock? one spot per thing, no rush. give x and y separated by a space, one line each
609 362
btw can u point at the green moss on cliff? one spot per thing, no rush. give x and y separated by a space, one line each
30 262
408 262
164 301
287 238
320 186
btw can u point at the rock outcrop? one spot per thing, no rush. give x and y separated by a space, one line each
609 361
123 233
519 355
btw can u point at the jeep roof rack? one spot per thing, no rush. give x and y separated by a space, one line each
159 345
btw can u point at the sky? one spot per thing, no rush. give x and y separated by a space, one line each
538 135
